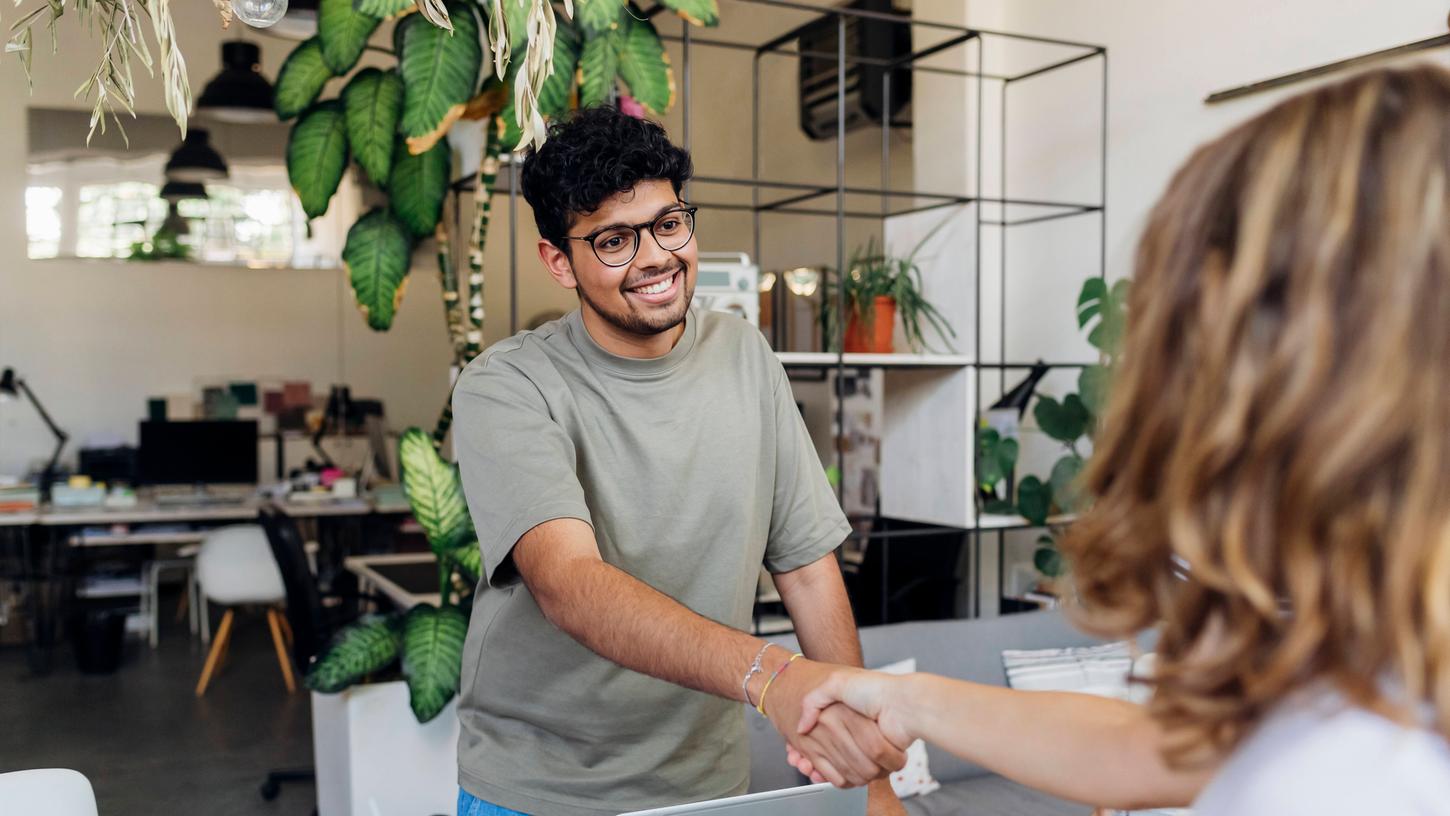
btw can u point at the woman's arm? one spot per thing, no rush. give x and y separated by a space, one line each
1089 749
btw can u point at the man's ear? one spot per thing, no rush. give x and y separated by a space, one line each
558 264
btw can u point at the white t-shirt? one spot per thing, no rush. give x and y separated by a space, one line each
1319 756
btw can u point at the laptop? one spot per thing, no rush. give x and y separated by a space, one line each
811 800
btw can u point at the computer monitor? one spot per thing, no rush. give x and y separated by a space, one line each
198 452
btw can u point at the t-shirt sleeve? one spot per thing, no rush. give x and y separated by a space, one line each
806 521
518 464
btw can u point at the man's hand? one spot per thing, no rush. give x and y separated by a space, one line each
844 748
881 800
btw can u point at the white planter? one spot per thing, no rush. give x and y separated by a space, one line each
374 759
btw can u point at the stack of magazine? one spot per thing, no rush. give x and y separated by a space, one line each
19 498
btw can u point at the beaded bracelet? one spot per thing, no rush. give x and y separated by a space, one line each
755 668
778 672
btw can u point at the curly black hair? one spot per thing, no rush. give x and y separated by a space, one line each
594 154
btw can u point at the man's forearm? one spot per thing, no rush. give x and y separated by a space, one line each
627 621
1095 750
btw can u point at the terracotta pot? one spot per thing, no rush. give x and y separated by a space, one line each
875 337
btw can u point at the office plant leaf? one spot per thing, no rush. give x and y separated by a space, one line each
468 560
697 12
1064 421
1048 559
645 68
1106 305
383 8
317 155
598 16
417 187
1063 482
1092 385
557 95
301 79
598 68
363 648
1034 500
435 491
377 255
344 32
432 657
373 101
439 69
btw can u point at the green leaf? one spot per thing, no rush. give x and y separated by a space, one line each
645 68
432 657
377 255
1092 384
373 101
1007 455
599 68
439 68
301 79
1090 300
1063 482
989 470
1048 559
1066 421
556 95
417 187
363 648
317 155
468 560
697 12
1109 306
435 491
344 32
382 8
516 20
1034 500
598 16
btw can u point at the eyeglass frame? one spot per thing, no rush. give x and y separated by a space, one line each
639 239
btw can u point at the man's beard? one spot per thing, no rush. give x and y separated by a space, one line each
654 322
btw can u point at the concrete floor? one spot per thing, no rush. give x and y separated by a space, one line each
147 744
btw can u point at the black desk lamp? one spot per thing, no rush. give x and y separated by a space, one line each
13 386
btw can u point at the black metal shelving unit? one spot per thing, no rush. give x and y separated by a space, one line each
770 197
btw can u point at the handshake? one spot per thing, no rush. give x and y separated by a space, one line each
838 724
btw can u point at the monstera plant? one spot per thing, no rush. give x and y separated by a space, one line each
1071 422
426 642
391 121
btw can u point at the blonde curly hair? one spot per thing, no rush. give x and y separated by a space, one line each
1272 474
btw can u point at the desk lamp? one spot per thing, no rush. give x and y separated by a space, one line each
12 386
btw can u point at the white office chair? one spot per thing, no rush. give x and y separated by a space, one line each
236 568
52 791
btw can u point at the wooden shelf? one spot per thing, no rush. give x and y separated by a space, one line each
819 359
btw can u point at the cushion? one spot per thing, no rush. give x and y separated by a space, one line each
914 779
1102 670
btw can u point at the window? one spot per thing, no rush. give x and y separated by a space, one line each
100 207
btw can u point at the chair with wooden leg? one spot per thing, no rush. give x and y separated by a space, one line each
234 569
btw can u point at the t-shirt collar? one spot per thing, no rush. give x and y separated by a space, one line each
631 366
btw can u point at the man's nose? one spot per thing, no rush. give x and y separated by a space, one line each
651 254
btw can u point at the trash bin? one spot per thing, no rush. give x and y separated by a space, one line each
99 637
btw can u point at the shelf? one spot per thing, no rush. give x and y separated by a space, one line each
994 521
137 538
823 359
772 625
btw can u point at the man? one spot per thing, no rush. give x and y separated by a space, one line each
629 467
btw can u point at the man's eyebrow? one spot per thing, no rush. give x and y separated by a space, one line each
618 224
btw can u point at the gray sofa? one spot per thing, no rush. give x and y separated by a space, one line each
964 649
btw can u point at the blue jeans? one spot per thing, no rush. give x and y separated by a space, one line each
470 805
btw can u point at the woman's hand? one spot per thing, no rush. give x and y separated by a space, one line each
878 696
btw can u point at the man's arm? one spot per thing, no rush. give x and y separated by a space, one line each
630 623
815 596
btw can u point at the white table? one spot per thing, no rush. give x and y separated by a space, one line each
370 578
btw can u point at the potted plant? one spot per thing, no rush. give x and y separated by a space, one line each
1070 422
879 289
369 746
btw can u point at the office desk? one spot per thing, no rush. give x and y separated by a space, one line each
406 579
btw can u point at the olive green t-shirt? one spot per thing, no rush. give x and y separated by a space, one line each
694 469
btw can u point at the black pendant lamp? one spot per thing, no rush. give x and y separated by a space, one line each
239 93
175 191
195 160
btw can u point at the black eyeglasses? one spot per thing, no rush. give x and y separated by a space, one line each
617 246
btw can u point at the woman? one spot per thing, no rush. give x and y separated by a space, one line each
1272 483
